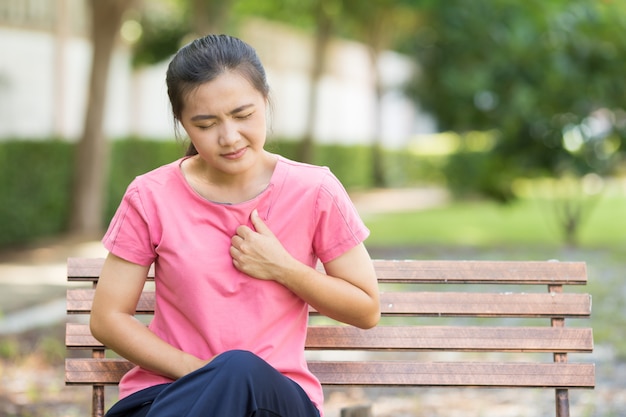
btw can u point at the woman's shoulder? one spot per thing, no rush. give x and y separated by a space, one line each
159 175
162 180
300 174
302 170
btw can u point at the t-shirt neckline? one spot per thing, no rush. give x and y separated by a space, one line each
275 179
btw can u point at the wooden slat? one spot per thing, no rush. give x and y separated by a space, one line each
414 338
444 304
79 301
451 338
505 272
460 304
84 269
450 374
88 269
397 373
95 371
416 271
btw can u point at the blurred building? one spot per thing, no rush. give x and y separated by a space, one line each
45 64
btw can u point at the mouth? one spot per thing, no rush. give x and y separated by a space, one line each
235 154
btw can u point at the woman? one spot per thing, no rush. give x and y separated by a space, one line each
234 233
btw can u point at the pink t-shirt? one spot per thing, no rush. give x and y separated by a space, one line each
205 306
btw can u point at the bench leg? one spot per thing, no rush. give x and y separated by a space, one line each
357 411
97 404
562 403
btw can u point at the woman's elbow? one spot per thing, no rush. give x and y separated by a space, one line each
97 326
371 319
370 323
94 326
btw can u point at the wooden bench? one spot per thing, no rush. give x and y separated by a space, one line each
417 300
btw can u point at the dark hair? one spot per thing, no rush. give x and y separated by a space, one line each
203 60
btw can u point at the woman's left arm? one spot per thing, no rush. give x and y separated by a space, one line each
348 292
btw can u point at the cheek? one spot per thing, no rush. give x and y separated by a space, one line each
260 128
201 139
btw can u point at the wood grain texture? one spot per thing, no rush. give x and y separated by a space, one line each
418 271
481 295
416 338
390 373
434 304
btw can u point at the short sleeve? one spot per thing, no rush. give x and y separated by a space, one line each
128 235
339 226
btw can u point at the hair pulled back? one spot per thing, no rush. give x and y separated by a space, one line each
206 58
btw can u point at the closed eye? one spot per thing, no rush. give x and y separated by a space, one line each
243 116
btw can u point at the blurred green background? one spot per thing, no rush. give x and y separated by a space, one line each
517 111
526 101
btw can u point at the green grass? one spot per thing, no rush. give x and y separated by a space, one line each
524 222
524 230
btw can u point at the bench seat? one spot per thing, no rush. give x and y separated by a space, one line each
507 314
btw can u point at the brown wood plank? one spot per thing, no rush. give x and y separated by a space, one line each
442 374
88 269
415 338
444 304
505 272
78 336
458 304
95 371
84 269
79 301
451 338
456 374
417 271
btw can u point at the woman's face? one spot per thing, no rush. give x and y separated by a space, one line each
225 121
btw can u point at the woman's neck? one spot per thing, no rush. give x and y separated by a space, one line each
224 188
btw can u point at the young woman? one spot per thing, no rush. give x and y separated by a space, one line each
234 233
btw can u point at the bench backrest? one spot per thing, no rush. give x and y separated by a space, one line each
413 294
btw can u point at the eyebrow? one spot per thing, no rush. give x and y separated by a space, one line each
210 116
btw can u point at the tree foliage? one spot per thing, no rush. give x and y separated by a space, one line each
167 24
545 77
379 25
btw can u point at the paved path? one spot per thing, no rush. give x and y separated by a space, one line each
33 283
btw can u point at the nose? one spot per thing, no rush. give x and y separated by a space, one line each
228 133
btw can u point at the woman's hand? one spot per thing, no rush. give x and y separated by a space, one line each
348 292
258 252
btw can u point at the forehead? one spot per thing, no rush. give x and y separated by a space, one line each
228 88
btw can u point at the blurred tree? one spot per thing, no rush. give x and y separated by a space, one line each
380 25
92 150
320 18
164 26
545 78
325 13
209 16
167 24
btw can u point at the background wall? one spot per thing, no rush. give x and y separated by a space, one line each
44 78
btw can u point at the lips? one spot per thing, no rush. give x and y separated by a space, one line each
236 154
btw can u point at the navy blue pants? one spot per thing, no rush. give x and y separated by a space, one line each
234 384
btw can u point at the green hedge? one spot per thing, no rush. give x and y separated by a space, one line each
133 157
35 185
36 177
